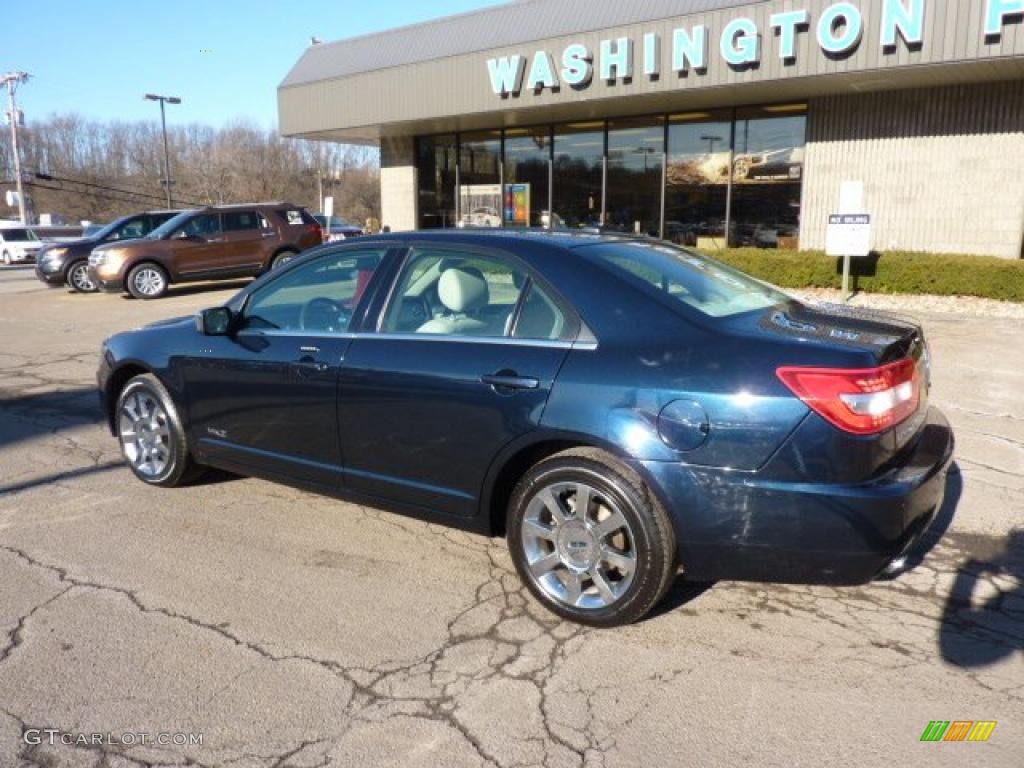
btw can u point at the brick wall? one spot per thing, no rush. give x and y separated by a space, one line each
943 168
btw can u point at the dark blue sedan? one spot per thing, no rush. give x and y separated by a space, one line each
621 409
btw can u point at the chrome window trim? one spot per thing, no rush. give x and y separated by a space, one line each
505 341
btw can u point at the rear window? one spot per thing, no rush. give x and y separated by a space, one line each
695 281
294 217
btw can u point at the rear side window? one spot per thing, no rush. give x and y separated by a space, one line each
692 280
295 217
453 293
240 221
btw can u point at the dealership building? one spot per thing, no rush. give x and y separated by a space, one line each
702 121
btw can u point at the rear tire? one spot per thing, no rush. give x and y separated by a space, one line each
147 281
604 565
78 278
281 259
151 434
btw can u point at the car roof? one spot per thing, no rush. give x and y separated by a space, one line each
567 239
240 207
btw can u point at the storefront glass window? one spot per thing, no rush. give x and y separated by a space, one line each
579 168
565 168
527 155
767 176
435 163
480 199
635 155
698 178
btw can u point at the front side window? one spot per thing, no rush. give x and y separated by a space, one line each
453 293
205 226
700 283
130 230
319 296
170 226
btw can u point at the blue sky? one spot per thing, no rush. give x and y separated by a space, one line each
99 57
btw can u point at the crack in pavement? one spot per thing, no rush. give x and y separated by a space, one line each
376 691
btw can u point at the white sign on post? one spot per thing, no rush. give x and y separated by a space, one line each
328 215
849 231
849 234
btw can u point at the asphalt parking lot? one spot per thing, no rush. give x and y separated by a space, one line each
288 629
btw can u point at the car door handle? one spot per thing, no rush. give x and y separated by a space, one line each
308 364
510 381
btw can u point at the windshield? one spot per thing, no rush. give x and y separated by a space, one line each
336 221
19 234
696 281
169 226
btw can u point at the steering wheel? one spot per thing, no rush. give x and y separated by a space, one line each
323 314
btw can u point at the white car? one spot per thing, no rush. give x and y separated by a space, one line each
18 244
481 217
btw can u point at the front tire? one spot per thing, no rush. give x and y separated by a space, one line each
589 539
78 278
147 281
151 434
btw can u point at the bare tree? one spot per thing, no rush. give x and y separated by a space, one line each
85 169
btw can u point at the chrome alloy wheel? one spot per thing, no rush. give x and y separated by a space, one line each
579 547
79 278
149 282
145 433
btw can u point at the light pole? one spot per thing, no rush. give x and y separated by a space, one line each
163 125
711 140
12 80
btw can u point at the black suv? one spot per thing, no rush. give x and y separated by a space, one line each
60 264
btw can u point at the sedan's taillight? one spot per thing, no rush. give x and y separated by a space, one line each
864 401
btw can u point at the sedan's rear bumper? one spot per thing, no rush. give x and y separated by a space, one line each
735 525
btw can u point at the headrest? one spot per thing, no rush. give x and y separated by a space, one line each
462 291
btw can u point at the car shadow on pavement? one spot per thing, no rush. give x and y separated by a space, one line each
189 289
46 413
983 619
679 594
59 477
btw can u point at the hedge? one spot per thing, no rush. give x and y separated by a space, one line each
890 272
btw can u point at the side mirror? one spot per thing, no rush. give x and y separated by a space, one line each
214 322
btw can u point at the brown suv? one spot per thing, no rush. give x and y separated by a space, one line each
215 243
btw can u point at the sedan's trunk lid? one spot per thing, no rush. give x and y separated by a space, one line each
870 338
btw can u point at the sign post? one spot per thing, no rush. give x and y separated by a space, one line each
849 235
